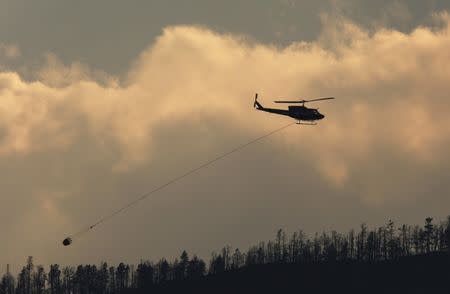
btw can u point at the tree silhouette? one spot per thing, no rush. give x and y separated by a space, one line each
122 276
7 284
102 279
54 279
217 264
237 260
429 227
183 264
144 276
112 280
447 234
68 280
196 268
22 282
39 280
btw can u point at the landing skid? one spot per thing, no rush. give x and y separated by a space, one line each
306 124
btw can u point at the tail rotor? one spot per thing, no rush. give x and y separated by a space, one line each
256 103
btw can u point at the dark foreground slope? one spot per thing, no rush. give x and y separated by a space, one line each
416 274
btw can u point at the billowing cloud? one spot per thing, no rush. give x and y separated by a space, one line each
9 51
189 96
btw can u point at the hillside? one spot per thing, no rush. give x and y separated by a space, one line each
414 274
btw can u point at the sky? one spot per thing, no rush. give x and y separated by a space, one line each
102 101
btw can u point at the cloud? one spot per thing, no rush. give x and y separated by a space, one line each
192 72
55 73
9 51
189 95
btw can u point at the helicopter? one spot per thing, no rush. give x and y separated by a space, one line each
300 113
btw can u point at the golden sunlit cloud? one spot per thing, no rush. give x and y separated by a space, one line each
9 51
391 87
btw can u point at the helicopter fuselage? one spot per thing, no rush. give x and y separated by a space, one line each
304 113
300 113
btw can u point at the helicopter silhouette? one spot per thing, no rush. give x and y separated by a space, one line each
298 112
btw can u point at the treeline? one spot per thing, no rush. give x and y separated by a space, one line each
386 243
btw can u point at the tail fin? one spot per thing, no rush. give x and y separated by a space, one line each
256 104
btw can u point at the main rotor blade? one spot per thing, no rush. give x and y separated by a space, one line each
319 99
282 101
303 101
